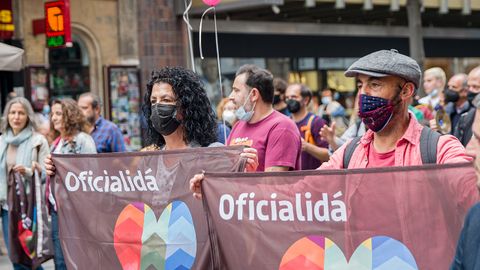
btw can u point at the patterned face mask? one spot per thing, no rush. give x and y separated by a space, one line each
376 112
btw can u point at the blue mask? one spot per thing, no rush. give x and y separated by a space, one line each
326 100
243 115
434 93
46 109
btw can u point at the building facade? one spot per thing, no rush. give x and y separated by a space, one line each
300 40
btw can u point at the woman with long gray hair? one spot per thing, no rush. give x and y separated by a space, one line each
22 150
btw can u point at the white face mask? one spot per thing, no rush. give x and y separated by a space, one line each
243 115
229 117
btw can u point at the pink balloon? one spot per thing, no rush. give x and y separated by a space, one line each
211 3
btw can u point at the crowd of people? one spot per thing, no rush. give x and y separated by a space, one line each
77 128
390 126
387 129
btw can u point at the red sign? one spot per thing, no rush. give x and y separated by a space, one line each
6 19
38 26
57 23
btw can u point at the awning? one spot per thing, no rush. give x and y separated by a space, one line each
11 58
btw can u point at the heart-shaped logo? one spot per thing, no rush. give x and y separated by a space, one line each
142 242
321 253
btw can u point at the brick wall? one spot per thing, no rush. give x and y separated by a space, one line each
162 37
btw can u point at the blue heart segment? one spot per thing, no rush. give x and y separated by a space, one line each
181 238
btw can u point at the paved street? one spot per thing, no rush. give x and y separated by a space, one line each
6 265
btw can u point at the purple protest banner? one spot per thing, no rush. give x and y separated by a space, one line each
389 218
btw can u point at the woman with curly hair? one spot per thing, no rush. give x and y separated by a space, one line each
177 111
179 114
70 127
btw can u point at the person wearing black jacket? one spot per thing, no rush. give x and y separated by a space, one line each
463 130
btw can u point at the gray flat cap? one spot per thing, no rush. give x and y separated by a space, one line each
387 63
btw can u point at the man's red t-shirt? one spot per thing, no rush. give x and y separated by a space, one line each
376 159
276 139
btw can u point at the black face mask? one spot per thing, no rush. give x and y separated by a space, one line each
471 96
164 118
451 96
276 99
293 105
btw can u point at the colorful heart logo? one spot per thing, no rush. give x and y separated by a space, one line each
142 242
321 253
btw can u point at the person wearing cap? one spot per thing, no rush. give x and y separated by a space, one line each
387 80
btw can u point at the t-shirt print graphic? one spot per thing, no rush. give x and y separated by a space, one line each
242 141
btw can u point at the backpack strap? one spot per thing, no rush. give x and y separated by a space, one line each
428 145
358 124
349 151
308 130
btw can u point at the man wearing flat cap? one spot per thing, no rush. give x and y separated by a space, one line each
387 80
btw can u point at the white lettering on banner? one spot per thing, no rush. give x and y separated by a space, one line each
123 182
301 209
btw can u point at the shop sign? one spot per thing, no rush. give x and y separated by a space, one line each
6 20
57 23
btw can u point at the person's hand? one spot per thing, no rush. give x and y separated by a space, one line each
304 145
49 167
328 133
252 159
433 125
36 166
196 185
20 169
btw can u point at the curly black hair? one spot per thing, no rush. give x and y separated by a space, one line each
199 120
